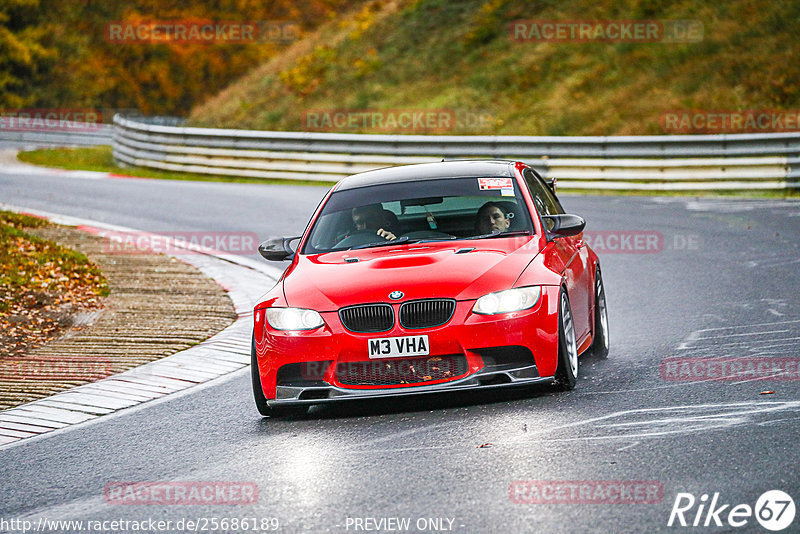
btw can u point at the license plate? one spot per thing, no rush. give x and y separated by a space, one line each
398 347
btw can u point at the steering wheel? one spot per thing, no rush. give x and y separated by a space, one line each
359 237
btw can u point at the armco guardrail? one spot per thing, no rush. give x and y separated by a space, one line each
674 162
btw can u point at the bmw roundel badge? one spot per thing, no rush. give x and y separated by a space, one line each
396 295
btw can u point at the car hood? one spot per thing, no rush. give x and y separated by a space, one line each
326 282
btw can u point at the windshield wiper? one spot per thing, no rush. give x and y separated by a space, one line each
384 243
435 239
405 240
408 241
499 234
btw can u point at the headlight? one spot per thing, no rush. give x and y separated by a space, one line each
293 319
510 300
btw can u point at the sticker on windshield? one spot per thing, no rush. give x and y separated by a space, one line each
506 192
495 184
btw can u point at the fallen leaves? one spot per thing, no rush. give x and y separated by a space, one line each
41 285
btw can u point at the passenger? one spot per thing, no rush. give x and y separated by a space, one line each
374 217
492 218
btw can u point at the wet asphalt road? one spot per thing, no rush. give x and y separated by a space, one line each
722 282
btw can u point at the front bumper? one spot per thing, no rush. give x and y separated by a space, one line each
480 340
483 379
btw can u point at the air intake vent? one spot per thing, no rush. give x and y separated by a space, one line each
367 318
426 313
401 371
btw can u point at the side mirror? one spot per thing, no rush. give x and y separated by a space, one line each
277 248
563 225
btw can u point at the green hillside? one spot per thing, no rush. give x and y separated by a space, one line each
459 58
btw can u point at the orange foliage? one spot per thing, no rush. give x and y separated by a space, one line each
160 77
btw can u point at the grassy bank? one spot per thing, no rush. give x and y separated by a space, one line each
100 159
460 56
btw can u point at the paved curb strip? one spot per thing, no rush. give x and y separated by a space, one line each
226 352
11 165
157 306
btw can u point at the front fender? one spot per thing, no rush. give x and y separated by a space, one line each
546 269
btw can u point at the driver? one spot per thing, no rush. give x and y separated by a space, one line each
492 218
373 217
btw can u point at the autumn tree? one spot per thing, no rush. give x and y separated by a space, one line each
25 56
58 54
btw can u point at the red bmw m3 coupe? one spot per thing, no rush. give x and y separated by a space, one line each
428 278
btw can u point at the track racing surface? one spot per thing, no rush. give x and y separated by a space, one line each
701 294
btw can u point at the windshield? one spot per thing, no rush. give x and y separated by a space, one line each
424 210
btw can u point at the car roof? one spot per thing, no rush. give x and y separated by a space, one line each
429 171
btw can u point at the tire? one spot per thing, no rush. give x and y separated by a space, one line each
600 342
567 370
258 394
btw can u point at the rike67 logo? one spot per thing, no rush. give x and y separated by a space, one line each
774 510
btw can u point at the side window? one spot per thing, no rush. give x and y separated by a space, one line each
546 202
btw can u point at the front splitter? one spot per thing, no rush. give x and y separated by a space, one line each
309 395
